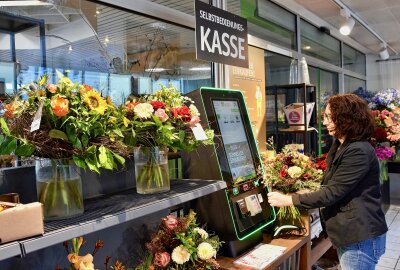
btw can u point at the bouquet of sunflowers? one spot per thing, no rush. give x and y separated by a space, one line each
65 120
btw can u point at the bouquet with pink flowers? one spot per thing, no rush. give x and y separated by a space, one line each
180 244
164 119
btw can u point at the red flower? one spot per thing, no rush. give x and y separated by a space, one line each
182 112
161 259
380 134
157 104
283 173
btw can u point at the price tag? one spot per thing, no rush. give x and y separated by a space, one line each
38 117
199 132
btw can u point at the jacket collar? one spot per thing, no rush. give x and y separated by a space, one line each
336 150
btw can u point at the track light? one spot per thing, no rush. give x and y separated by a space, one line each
348 25
383 53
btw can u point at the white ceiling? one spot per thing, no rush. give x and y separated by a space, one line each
383 16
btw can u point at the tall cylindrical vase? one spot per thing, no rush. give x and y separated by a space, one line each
59 188
151 170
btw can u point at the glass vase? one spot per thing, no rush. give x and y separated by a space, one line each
151 170
59 188
383 171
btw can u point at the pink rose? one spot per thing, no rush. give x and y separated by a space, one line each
161 259
194 121
171 222
160 113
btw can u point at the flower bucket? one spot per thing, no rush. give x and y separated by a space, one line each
295 114
151 170
59 188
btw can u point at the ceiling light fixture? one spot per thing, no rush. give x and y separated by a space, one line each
348 25
361 21
383 53
70 47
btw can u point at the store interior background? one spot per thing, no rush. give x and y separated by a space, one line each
121 48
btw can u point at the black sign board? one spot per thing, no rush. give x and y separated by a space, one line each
220 36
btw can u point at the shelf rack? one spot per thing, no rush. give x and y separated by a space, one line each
111 210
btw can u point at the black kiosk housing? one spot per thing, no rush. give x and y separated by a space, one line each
240 212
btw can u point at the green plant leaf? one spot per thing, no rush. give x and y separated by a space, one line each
157 120
85 140
118 132
92 165
4 127
8 146
119 158
58 134
91 150
25 150
181 136
80 162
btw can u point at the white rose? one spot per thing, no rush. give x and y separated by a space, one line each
180 255
205 251
203 234
143 110
294 172
193 109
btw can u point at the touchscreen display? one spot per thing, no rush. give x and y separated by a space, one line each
235 140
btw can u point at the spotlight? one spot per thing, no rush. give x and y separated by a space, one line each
383 53
70 47
348 25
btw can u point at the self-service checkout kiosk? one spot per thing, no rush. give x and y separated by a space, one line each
239 212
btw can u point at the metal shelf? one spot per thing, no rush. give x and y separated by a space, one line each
9 250
111 210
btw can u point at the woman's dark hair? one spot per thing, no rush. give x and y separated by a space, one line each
352 117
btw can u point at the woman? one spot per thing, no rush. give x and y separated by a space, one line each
349 198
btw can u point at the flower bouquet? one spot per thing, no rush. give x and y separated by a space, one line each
156 124
62 123
290 172
85 262
180 244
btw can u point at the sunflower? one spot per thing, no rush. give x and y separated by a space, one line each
94 101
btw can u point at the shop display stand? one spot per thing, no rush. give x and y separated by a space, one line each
111 210
294 93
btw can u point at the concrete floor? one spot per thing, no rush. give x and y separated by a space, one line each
391 258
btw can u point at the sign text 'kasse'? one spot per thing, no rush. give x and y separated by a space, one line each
220 36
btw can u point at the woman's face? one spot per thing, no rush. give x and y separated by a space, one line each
330 126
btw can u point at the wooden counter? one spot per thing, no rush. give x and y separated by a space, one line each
292 243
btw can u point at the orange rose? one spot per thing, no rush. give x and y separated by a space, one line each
59 106
131 105
9 110
52 88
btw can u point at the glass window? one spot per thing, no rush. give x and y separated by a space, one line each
267 20
352 84
5 52
118 52
186 6
353 60
277 69
327 83
319 44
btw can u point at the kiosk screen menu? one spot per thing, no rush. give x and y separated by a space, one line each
235 140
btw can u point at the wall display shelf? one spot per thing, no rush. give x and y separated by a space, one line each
279 96
9 250
110 210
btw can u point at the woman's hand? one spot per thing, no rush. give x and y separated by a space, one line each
279 199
